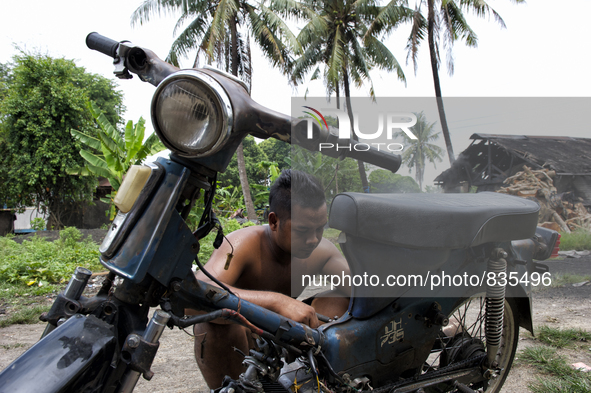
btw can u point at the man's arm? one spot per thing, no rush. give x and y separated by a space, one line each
245 255
334 263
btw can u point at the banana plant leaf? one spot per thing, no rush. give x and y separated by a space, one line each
86 139
138 132
100 171
94 159
106 126
79 171
152 146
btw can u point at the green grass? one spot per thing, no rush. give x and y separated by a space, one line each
561 338
331 234
22 302
24 315
12 291
578 240
41 263
36 268
561 279
12 346
559 377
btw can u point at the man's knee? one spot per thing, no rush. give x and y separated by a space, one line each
212 339
214 350
331 306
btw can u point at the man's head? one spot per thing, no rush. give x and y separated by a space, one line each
297 212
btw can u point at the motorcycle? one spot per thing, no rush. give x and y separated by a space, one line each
392 339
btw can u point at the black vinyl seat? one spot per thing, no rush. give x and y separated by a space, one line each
447 221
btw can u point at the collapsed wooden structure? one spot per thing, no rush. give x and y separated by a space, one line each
561 212
492 158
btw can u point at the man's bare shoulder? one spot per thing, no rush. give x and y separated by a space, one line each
245 243
325 249
248 234
245 246
325 252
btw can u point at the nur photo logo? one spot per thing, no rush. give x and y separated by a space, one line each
390 122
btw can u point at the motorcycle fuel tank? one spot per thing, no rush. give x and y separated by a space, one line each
66 360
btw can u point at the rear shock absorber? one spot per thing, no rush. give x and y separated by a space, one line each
495 302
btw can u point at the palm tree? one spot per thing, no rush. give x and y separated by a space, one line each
334 40
421 149
212 27
444 24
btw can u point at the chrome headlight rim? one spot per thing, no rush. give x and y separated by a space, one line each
223 103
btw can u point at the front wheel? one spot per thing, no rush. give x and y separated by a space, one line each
464 338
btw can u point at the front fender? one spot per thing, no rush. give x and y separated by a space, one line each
73 357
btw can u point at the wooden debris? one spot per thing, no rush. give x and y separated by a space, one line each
555 212
550 225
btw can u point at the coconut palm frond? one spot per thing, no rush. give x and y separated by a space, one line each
482 9
275 23
418 33
383 58
388 18
336 60
265 33
151 8
192 36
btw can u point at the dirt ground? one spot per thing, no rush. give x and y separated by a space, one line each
175 369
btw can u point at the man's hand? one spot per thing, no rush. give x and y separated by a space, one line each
296 310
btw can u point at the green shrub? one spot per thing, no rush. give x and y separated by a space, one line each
38 224
578 240
40 262
69 236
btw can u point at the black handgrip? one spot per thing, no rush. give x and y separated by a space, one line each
102 44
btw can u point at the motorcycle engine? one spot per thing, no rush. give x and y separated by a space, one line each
295 376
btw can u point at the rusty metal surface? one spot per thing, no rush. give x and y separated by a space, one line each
384 346
202 296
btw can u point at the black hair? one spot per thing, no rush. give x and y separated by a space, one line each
295 187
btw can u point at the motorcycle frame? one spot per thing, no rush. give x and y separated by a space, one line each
155 258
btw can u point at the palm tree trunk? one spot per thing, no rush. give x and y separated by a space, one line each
435 70
336 178
250 212
360 164
420 172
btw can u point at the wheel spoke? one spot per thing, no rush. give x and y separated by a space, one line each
470 317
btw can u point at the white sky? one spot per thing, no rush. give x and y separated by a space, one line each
544 52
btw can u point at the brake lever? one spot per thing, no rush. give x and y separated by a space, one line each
323 318
121 70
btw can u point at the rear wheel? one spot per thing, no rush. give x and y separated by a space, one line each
464 338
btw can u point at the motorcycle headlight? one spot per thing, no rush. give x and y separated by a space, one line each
192 114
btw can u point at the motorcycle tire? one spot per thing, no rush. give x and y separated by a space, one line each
464 337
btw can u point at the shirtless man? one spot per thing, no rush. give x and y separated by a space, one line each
261 271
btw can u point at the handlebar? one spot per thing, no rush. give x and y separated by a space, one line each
253 118
102 44
337 147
